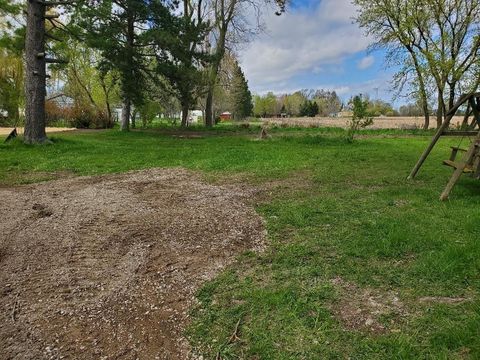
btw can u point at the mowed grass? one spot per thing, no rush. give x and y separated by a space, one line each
336 213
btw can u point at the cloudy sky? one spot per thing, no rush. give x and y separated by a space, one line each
315 45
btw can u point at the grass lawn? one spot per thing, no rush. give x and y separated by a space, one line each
349 237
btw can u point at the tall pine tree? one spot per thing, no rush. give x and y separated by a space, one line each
241 97
179 54
122 30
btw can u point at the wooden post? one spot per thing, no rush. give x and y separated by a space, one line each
460 168
429 149
439 133
475 110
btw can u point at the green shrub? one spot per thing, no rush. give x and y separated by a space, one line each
361 117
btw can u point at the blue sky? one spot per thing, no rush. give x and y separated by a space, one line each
315 45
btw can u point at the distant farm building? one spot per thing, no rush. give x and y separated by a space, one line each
226 116
195 116
345 113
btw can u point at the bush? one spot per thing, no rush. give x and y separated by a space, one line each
77 116
55 115
361 117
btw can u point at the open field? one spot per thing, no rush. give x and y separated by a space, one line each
359 263
379 123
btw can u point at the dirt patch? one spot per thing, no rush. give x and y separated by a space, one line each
444 300
106 267
366 309
49 130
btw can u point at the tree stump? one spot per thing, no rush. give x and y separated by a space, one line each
263 134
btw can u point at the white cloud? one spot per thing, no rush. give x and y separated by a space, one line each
366 62
303 41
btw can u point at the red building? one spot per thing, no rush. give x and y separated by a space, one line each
226 116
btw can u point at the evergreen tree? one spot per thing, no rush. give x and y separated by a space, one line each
314 109
309 109
122 31
179 54
240 94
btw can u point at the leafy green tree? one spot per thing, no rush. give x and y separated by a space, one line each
264 106
361 117
11 85
83 80
293 103
436 39
328 102
231 24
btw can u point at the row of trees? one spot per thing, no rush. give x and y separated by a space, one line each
139 53
310 103
301 103
435 43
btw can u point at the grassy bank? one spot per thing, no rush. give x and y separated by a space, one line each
361 263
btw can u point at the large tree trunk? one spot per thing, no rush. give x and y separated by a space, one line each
423 91
424 100
466 116
125 124
184 115
106 92
451 99
426 113
35 80
440 108
209 121
134 119
220 52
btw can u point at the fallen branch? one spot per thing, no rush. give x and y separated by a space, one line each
232 339
14 310
234 336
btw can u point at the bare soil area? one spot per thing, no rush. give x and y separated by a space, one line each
4 131
404 123
107 267
364 309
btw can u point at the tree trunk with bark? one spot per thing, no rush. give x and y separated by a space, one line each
426 113
127 87
219 54
125 123
134 118
184 115
35 80
440 108
209 120
424 101
451 99
423 91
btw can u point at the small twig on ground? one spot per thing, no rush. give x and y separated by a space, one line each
14 310
234 336
231 340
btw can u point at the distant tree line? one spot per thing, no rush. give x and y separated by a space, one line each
323 103
149 57
301 103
